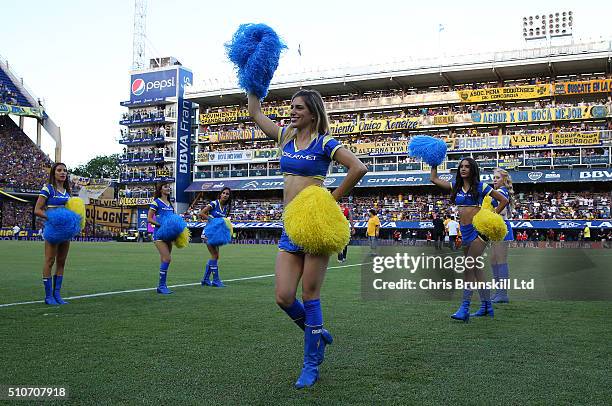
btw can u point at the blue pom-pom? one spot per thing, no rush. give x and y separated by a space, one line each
171 226
61 225
217 232
431 150
255 50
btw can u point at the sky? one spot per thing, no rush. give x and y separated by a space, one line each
76 55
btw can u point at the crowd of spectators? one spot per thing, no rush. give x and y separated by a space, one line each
7 96
23 164
139 133
149 113
148 153
421 206
147 172
140 192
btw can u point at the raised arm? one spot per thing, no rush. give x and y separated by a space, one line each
267 126
356 171
437 181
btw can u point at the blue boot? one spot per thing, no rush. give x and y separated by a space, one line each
486 309
162 288
49 299
206 279
310 371
57 286
215 271
502 294
326 339
463 313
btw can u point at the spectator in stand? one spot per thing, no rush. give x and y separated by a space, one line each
373 230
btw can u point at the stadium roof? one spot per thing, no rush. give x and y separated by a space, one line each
508 65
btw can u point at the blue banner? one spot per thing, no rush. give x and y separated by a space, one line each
183 139
410 179
148 86
516 224
142 219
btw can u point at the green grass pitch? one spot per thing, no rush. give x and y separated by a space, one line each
234 346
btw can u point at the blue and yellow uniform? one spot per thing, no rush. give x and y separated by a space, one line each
54 198
313 161
466 199
505 213
161 209
217 209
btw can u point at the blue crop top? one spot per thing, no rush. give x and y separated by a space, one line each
504 191
466 199
217 210
160 208
313 161
54 198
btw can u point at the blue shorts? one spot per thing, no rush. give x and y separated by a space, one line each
469 234
285 244
510 235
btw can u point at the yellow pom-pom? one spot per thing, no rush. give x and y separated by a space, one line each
183 239
314 221
489 223
229 225
76 205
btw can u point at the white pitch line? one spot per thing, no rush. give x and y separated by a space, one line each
118 292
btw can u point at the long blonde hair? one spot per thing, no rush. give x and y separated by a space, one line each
507 183
314 102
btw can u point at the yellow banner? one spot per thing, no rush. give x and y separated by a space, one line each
504 93
395 124
234 115
237 135
108 216
545 114
529 140
576 138
444 120
135 201
585 86
379 148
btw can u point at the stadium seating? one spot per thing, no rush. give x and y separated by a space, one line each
9 93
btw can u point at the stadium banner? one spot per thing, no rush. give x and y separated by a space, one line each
234 135
147 86
202 156
135 201
379 148
509 163
421 225
104 202
143 222
529 140
504 93
20 110
235 115
254 155
491 142
411 179
585 86
536 115
183 139
576 138
108 216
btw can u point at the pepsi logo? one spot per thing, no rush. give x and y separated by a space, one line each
138 87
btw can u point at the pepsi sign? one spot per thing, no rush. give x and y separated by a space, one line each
153 85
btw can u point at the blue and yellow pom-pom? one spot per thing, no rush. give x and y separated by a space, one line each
489 223
76 205
313 220
431 150
183 239
255 50
171 226
61 225
218 231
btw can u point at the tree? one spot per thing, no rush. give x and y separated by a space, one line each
99 167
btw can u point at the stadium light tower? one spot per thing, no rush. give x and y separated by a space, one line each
140 31
548 25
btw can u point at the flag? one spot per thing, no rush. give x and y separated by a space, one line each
440 28
300 49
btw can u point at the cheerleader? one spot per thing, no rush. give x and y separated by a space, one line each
499 249
216 209
53 195
307 151
160 207
467 193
